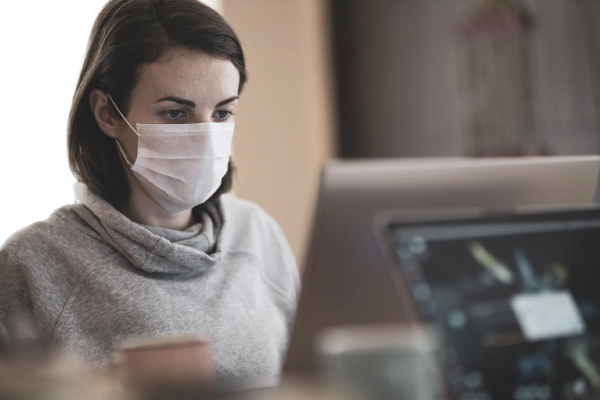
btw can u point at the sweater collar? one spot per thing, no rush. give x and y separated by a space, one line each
154 249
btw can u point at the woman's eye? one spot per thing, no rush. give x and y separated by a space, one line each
175 114
222 114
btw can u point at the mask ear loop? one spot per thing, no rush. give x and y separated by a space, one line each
125 156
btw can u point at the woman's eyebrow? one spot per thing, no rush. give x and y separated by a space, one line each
229 100
179 100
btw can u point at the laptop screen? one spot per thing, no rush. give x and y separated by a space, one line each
518 300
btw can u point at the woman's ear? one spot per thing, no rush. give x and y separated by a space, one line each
99 104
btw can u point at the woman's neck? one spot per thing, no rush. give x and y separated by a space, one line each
143 209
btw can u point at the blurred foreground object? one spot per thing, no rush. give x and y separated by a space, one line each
25 342
294 389
496 80
61 380
382 362
29 371
164 365
174 368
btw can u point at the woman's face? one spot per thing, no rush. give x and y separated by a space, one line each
186 87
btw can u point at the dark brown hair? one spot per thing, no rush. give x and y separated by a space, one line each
125 35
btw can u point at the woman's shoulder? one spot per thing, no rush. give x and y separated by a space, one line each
250 229
40 266
47 242
234 207
34 238
251 224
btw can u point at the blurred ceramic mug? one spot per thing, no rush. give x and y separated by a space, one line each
163 363
382 362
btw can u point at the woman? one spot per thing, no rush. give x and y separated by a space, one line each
152 247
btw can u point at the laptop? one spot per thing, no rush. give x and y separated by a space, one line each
346 279
516 295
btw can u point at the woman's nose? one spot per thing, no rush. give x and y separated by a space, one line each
205 116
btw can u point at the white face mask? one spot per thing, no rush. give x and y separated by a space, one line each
180 165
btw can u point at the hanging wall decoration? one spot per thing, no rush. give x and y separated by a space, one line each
496 80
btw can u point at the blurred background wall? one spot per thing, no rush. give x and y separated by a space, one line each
43 44
399 71
285 120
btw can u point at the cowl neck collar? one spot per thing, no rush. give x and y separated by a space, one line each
153 249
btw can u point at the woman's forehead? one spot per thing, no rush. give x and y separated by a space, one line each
190 74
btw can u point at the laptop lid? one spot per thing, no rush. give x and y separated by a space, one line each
345 277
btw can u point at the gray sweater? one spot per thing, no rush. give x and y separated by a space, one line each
91 278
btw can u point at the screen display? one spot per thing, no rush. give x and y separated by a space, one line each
519 303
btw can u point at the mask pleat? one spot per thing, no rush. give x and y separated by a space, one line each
178 147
